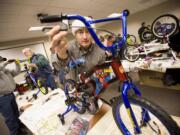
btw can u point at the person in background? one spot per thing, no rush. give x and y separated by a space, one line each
41 66
149 27
108 41
8 105
141 30
174 43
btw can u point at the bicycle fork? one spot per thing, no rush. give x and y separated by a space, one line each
145 116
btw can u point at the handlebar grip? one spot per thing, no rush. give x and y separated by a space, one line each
126 12
52 19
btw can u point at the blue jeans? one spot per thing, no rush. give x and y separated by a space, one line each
50 82
62 76
46 78
9 109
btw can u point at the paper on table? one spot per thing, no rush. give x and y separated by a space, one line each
42 117
41 113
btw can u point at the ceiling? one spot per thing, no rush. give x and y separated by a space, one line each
17 16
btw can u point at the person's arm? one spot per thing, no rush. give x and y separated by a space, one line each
42 61
57 62
17 69
5 64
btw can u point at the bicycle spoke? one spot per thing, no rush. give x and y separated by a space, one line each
153 127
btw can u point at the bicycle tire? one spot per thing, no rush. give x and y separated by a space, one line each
158 18
93 106
157 111
79 103
133 40
81 107
128 56
29 83
147 36
43 90
69 87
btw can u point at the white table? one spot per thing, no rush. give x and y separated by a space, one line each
154 65
41 118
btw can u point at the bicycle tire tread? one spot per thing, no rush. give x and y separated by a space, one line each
169 123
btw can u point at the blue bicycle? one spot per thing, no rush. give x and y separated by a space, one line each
77 94
133 114
36 82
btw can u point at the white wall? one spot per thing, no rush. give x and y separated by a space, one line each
27 43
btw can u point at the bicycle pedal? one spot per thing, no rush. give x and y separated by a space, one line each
34 96
61 117
112 100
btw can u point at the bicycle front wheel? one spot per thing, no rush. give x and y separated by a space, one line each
165 25
71 92
147 36
93 106
131 53
160 122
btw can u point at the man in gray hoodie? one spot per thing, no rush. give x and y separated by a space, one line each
83 46
8 105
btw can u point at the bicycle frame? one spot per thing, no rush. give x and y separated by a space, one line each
151 47
33 78
117 68
115 63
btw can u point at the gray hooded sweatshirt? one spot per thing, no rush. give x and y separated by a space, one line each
7 83
93 56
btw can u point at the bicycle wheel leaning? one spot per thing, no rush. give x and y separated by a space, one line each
131 53
93 106
160 122
147 36
71 92
165 25
131 40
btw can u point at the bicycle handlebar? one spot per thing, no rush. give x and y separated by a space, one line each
53 18
87 23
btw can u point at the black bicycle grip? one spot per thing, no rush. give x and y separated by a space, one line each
52 19
126 12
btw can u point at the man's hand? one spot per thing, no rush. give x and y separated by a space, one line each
17 61
58 41
57 37
31 65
